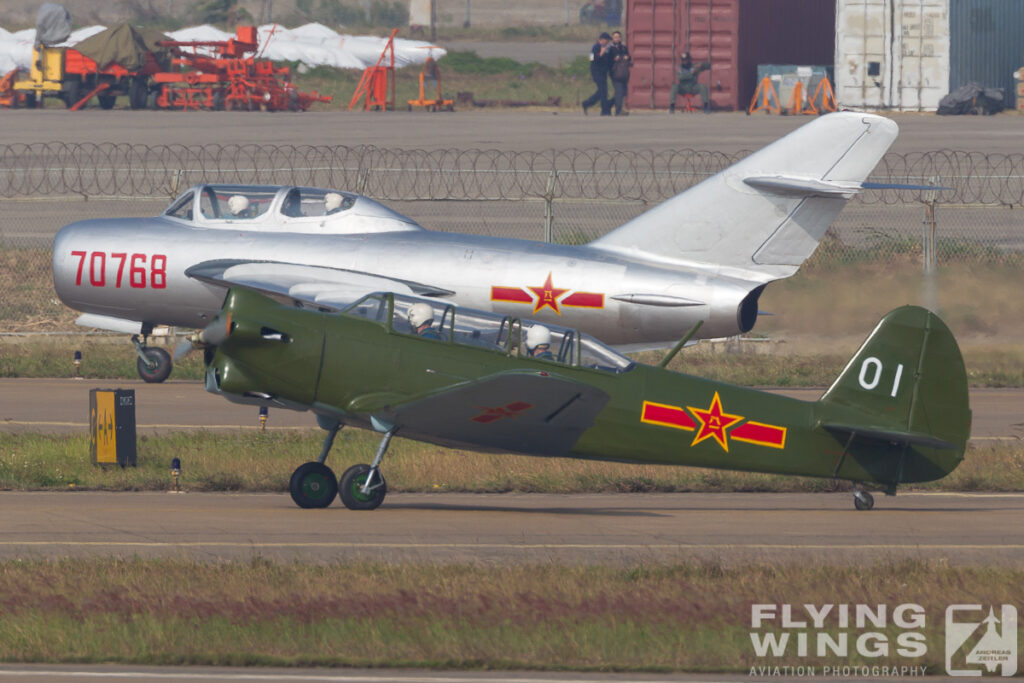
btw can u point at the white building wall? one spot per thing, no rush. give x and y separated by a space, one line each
892 54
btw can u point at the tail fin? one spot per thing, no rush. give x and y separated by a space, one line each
766 213
901 405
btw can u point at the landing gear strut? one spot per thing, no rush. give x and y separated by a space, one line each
363 487
154 364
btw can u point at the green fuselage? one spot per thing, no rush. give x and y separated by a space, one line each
363 372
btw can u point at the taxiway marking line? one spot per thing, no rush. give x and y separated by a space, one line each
519 546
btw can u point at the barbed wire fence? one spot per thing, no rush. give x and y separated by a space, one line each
568 196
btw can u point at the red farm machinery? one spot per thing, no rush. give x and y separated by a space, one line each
227 74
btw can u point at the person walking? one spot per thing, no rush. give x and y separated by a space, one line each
686 82
621 64
600 67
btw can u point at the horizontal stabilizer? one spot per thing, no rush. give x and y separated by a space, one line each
803 187
890 435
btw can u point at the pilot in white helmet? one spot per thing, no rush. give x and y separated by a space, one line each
538 342
332 203
237 204
421 316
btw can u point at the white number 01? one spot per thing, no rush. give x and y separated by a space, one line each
871 374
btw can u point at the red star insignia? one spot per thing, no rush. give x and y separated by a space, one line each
547 295
714 423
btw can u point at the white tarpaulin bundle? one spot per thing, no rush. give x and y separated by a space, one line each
312 45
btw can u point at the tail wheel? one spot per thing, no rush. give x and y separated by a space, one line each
157 366
351 488
862 500
313 485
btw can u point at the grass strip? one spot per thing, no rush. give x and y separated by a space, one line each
655 617
254 461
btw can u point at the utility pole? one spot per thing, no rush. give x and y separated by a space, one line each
566 12
467 23
433 21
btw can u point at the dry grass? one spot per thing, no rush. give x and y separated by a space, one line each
688 617
264 462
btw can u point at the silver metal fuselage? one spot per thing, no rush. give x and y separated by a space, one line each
469 266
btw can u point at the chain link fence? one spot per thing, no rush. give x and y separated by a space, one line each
568 196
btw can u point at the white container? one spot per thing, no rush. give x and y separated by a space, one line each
892 54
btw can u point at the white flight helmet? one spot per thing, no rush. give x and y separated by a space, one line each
419 314
537 335
332 201
238 203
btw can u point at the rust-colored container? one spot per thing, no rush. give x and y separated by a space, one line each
734 35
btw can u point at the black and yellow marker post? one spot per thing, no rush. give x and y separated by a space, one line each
112 427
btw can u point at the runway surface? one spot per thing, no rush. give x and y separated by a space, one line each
508 130
502 528
62 406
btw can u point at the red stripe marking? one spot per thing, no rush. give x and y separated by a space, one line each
667 416
513 294
584 300
760 434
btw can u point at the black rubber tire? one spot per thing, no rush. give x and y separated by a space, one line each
218 100
862 500
137 93
30 100
71 92
151 98
163 368
353 480
107 101
313 485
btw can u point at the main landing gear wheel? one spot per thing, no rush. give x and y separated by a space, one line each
862 500
354 481
313 485
156 367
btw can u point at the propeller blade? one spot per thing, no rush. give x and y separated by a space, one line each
216 332
213 334
182 348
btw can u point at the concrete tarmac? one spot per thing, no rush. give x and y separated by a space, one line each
503 129
500 528
62 406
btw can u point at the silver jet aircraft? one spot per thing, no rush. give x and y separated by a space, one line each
704 255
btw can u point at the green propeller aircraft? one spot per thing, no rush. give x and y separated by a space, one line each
476 380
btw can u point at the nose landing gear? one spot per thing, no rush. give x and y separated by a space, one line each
154 364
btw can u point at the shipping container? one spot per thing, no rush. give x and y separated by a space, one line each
907 54
892 54
986 43
733 35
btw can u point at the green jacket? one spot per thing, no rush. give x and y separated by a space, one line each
684 75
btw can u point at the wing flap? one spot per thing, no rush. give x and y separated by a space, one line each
534 413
